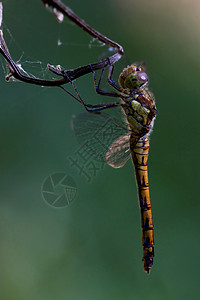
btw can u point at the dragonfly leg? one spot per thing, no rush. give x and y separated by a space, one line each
111 81
95 107
99 107
97 86
78 98
70 94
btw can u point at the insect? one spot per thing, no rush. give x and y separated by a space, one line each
121 138
126 138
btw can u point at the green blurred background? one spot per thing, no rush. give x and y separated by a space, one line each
92 248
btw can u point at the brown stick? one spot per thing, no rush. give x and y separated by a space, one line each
67 75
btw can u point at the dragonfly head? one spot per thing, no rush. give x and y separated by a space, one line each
133 77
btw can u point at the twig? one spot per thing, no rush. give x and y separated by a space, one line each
57 4
67 75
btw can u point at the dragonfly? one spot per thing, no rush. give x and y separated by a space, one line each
114 141
108 138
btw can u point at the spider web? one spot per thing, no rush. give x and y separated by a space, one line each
63 40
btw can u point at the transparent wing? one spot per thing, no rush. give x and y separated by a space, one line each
119 152
104 136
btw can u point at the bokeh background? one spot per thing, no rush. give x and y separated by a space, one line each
91 249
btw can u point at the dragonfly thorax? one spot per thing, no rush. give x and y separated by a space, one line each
140 111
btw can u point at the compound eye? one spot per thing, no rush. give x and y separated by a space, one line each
142 77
